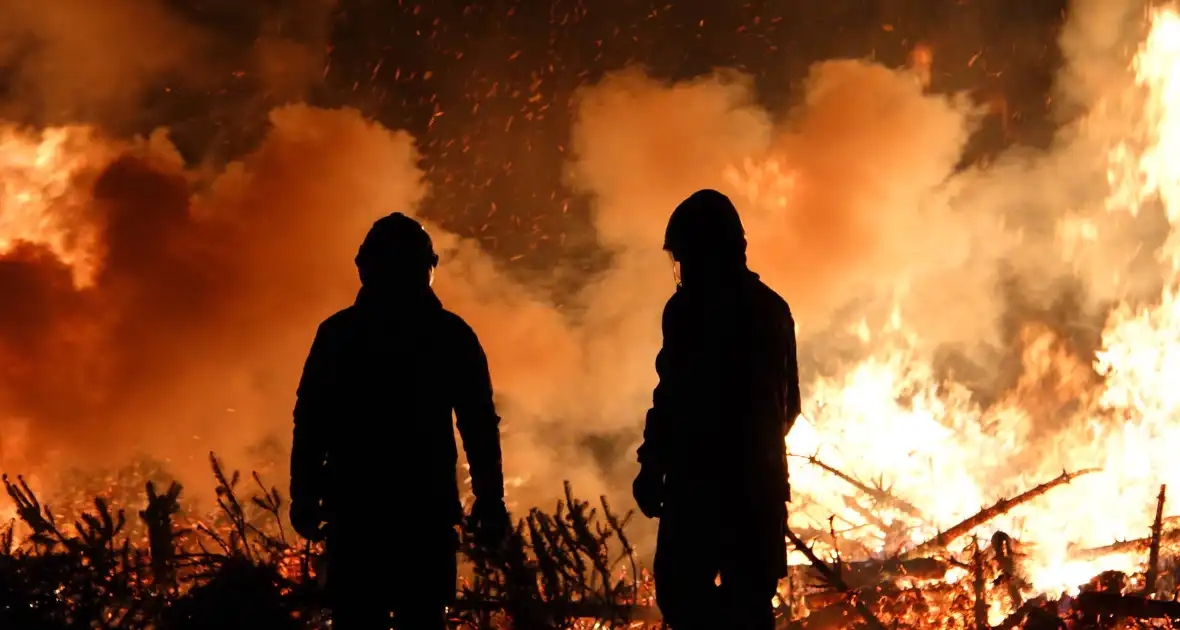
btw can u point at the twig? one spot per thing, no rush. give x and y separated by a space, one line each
878 494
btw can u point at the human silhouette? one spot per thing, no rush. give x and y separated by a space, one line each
374 459
713 462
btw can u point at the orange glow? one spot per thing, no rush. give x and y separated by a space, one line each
39 195
891 422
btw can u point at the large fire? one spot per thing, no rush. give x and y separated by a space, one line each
939 457
932 454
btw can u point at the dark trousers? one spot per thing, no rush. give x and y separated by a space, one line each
699 543
411 575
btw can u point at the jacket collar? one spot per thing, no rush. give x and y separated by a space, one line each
383 298
737 278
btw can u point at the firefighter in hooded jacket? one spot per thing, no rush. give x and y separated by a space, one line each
713 466
374 459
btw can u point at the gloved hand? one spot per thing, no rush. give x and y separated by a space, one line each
648 489
492 523
307 518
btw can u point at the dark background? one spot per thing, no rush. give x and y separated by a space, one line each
494 115
486 87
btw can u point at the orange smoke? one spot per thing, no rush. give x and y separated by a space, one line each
192 292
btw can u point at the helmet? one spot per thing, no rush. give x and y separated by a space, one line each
706 225
396 245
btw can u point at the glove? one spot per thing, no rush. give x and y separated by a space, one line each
307 518
649 492
492 523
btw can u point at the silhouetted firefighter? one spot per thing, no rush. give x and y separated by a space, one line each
713 465
373 463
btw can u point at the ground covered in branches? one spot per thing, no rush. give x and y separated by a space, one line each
108 567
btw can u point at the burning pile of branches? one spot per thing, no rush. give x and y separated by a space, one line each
241 569
943 582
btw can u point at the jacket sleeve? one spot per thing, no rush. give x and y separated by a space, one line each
654 451
476 419
794 400
314 408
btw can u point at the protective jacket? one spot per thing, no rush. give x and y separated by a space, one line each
728 394
373 420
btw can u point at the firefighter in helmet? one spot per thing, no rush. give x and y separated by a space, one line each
712 461
374 459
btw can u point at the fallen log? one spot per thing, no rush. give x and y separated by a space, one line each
1134 606
999 508
835 610
871 572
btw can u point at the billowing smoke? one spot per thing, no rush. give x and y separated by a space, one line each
204 289
69 57
1097 42
207 284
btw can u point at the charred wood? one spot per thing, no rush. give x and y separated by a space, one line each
833 578
1135 606
980 587
840 614
1043 618
833 610
1020 614
836 609
1153 556
872 572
